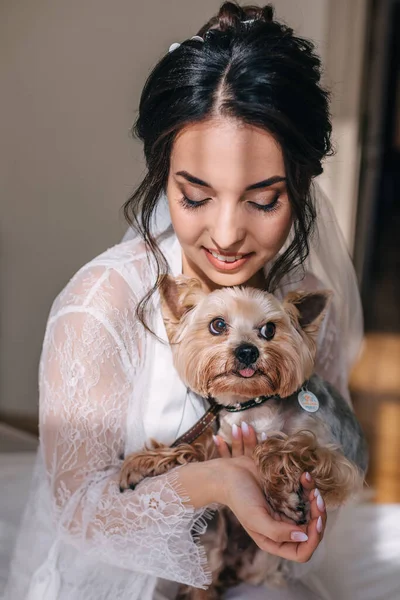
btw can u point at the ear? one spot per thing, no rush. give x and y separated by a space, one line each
178 295
309 308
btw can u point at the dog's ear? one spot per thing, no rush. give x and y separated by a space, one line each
308 308
178 295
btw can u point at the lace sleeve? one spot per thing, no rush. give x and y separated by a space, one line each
86 383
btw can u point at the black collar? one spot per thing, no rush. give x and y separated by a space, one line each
240 406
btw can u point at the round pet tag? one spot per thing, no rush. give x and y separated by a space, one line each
308 401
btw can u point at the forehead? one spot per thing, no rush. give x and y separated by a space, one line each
241 307
227 154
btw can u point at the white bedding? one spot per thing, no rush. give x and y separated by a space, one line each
15 475
363 554
363 557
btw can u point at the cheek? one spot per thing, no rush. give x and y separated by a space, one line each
271 235
187 225
199 359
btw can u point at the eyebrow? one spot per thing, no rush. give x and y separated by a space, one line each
255 186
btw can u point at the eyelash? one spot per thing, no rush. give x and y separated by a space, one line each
193 205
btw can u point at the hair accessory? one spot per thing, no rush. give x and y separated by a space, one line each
176 45
249 21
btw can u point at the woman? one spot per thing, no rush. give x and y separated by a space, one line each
235 126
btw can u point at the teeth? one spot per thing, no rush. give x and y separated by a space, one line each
228 259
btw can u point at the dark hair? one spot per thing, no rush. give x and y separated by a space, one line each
259 73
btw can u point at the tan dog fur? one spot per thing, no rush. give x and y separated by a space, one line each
207 365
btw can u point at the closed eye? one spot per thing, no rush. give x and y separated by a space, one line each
188 203
267 207
192 204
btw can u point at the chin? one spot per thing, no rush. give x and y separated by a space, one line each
229 279
247 387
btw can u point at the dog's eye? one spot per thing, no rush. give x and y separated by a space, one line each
217 326
267 331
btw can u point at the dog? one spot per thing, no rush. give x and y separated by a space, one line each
254 356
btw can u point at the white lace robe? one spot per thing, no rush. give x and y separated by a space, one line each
106 386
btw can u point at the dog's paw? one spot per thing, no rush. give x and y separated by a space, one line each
129 476
281 460
290 506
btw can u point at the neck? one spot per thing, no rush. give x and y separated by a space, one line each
257 280
231 399
239 403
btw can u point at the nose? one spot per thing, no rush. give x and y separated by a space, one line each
247 354
228 228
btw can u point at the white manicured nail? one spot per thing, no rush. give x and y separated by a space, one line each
308 476
319 525
316 492
216 440
235 431
320 503
298 536
263 436
245 428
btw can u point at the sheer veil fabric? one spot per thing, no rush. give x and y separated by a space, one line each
107 386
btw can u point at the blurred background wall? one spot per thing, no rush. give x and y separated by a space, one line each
71 75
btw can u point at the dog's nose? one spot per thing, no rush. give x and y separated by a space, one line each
247 354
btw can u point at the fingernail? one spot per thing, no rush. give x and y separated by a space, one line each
216 440
319 525
308 476
320 503
316 492
298 536
263 436
245 428
235 431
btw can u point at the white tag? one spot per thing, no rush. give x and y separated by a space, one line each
308 401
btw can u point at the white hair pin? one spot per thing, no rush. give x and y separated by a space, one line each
176 45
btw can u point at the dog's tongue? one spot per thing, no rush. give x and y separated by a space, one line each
247 372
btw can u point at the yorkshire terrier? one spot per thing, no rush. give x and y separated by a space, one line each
243 349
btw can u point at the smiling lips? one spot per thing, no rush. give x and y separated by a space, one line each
226 262
227 257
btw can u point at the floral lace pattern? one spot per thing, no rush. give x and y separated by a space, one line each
87 379
90 540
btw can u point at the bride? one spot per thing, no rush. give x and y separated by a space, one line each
235 126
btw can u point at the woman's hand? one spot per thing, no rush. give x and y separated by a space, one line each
244 440
241 492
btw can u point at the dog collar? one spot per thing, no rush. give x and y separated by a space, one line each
241 406
213 415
